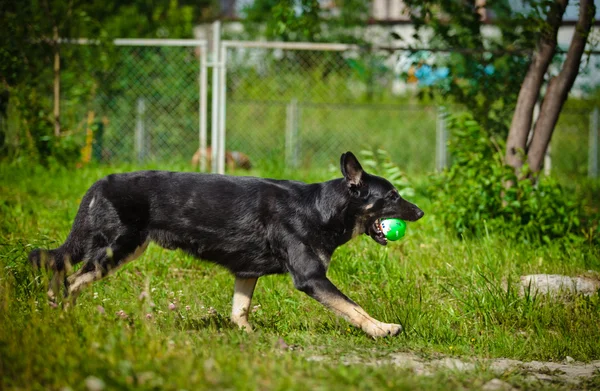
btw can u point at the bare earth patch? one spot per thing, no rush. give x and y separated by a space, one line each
568 371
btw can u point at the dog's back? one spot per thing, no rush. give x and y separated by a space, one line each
238 222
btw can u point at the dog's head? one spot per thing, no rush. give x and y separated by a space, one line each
374 198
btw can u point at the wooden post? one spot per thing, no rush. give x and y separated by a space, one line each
86 153
56 83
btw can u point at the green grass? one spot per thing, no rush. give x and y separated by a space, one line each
447 293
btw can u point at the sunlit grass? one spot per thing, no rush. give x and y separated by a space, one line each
162 321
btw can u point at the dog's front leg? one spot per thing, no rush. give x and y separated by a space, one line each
309 277
242 297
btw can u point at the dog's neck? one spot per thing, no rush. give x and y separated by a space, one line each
337 208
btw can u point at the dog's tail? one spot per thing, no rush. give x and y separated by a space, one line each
42 259
55 260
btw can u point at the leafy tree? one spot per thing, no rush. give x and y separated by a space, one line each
486 71
500 76
33 61
306 20
30 56
287 20
557 90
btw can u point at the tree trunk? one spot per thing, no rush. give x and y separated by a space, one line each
55 48
559 87
530 89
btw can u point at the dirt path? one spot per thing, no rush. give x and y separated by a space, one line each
568 371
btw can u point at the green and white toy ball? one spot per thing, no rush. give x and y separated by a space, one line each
393 229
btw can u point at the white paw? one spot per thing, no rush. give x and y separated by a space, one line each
380 329
242 323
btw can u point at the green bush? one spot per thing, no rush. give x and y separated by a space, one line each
472 197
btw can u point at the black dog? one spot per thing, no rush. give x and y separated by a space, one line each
251 226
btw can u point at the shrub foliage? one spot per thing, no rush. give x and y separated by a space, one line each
472 198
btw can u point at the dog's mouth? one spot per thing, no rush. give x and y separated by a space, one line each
376 232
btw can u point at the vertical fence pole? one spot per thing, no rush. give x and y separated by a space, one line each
548 160
593 145
441 153
214 131
548 155
222 106
291 134
296 132
140 145
202 107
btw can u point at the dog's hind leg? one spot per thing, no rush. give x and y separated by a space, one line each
242 297
71 252
106 261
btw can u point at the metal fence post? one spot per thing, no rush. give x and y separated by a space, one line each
548 156
140 144
548 160
222 107
441 153
593 145
291 134
202 106
214 131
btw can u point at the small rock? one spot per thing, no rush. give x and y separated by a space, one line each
94 384
556 284
497 385
569 359
503 364
543 377
454 364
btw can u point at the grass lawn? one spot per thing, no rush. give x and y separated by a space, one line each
447 293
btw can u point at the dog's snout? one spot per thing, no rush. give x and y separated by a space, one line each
420 213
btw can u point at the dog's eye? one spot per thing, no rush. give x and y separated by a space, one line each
393 195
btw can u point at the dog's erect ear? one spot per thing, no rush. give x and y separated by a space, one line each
351 169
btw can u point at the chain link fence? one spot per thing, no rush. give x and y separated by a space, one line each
284 107
144 105
153 116
303 108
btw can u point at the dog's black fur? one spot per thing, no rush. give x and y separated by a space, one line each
251 226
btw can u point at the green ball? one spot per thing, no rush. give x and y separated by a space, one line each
393 229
